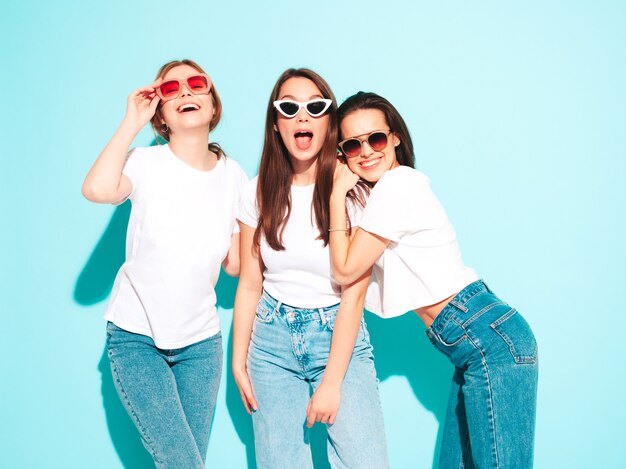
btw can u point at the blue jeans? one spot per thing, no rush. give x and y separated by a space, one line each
490 421
286 360
169 394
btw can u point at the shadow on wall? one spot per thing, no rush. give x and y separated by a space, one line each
94 285
401 349
96 279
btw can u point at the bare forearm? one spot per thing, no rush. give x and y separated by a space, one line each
248 293
231 263
339 240
246 301
346 330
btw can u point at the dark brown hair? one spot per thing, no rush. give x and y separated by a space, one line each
363 100
276 172
157 119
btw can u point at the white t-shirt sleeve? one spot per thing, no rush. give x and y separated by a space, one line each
242 184
248 209
401 203
132 170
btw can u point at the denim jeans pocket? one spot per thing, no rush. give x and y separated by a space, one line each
264 313
451 335
516 332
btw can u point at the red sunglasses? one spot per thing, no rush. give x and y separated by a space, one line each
171 89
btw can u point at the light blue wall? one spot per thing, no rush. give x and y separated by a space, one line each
518 113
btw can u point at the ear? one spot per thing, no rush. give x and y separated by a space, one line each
396 140
275 128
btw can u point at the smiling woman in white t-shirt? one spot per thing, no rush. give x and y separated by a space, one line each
405 235
163 333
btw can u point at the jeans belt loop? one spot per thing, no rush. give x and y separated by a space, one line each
459 306
276 309
323 316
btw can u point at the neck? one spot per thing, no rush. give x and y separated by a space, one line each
303 172
193 149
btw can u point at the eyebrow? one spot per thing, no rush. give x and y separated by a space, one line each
315 96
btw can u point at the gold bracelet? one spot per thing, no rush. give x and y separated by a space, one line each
330 230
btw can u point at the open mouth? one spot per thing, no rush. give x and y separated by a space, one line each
303 139
188 107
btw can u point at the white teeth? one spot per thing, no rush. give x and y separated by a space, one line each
370 163
187 106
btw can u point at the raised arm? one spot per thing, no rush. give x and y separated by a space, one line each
105 182
350 259
248 293
324 403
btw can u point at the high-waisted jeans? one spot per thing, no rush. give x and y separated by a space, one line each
490 421
287 357
169 394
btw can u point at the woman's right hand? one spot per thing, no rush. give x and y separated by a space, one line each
245 389
141 105
344 180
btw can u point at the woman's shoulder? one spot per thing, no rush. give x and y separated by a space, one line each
401 179
234 169
144 156
405 173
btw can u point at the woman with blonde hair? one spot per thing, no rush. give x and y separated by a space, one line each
163 333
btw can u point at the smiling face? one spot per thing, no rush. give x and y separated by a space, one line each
302 135
369 164
188 111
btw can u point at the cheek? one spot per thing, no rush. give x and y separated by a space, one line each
322 127
352 165
283 130
167 111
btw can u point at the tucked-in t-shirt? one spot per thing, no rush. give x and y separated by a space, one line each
300 275
422 264
180 228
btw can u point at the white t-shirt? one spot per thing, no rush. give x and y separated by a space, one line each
422 265
179 232
300 275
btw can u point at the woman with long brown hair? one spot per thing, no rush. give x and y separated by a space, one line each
295 330
163 333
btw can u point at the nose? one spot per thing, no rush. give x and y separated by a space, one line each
184 90
302 115
366 150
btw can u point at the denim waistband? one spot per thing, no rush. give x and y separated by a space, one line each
459 303
295 313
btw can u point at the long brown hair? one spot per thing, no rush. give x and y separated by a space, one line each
276 172
362 100
157 119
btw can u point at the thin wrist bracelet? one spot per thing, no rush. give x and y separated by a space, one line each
337 229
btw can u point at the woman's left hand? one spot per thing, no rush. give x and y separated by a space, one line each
344 180
324 405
